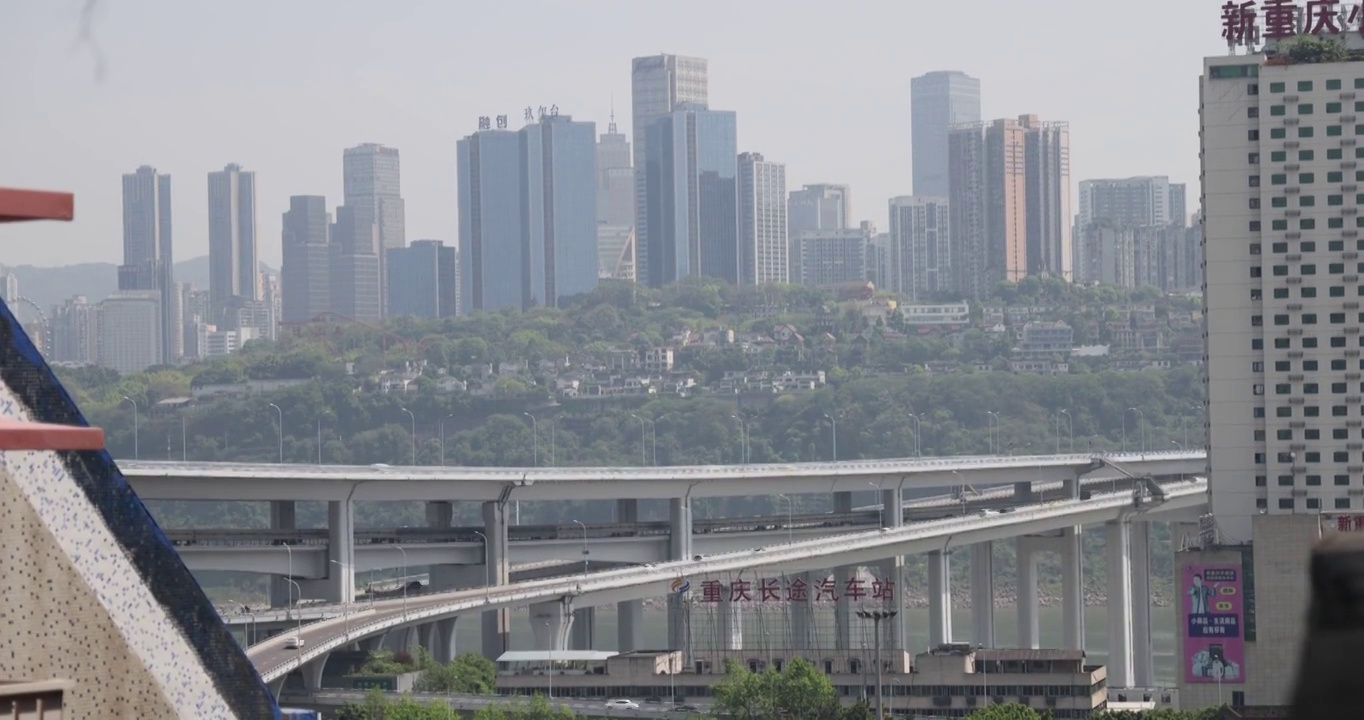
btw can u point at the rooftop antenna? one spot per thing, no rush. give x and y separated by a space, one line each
611 127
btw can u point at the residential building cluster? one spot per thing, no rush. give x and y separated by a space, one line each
548 209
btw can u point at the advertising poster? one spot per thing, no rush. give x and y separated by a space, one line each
1212 603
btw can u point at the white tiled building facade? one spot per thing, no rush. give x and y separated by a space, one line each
1282 179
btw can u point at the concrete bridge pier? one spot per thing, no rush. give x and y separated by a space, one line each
679 548
282 517
1072 589
312 674
496 623
277 685
983 594
630 613
892 574
1029 634
341 551
403 639
800 614
1143 669
1023 492
584 628
843 635
939 598
439 639
551 624
371 643
1120 614
440 514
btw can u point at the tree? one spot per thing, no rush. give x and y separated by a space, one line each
1007 711
799 691
1161 714
469 673
1313 49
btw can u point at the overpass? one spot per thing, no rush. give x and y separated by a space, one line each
555 600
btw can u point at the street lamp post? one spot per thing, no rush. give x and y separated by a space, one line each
992 428
918 435
876 616
299 632
881 505
743 440
442 438
404 578
319 440
289 598
1070 431
551 662
414 434
790 511
833 434
184 451
345 607
534 439
279 431
487 567
643 437
134 402
585 551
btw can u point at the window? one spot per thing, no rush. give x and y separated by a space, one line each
1331 107
1307 224
1341 504
1254 226
1338 388
1259 458
1281 133
1304 86
1306 132
1254 203
1311 411
1278 179
1280 412
1283 389
1312 434
1278 156
1340 434
1313 503
1279 366
1278 224
1311 388
1309 269
1254 136
1305 109
1278 202
1286 435
1336 342
1307 246
1340 456
1285 481
1314 480
1307 201
1281 344
1307 178
1312 457
1278 247
1285 503
1274 110
1335 223
1280 320
1280 293
1261 503
1337 364
1337 291
1335 177
1335 245
1255 271
1253 158
1309 342
1330 85
1280 271
1335 200
1309 318
1257 320
1333 131
1336 268
1337 318
1333 153
1306 155
1276 87
1308 292
1255 182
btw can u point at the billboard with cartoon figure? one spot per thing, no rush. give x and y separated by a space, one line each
1211 605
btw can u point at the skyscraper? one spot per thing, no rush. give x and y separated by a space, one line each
372 189
421 280
819 207
988 202
919 250
75 331
559 162
356 284
764 246
691 181
491 220
658 84
1134 201
148 263
938 101
130 331
615 179
1047 164
1179 209
831 257
233 259
306 272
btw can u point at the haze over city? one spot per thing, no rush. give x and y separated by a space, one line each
282 89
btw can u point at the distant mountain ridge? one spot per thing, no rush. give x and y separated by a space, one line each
49 286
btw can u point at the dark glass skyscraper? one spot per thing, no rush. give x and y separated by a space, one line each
148 263
421 280
305 275
490 220
691 181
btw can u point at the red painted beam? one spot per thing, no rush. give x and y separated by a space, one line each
21 205
20 435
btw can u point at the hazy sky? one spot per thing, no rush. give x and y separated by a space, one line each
282 86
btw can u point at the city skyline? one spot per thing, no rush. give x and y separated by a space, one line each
294 155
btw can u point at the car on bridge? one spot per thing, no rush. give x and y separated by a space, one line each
622 704
293 643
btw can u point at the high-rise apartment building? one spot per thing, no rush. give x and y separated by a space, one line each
764 248
825 258
1134 201
422 280
1179 208
130 331
691 180
148 260
615 179
305 275
819 207
1046 160
1106 254
491 221
987 197
372 189
75 332
356 284
919 251
938 101
233 258
559 162
658 84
